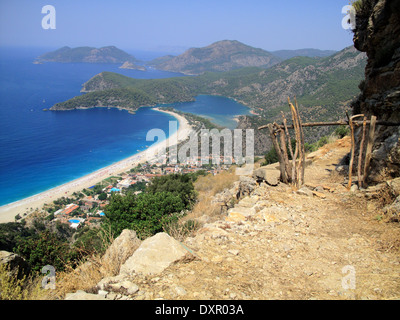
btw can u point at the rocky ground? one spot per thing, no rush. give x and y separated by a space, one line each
319 242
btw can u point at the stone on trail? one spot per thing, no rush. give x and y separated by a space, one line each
154 255
82 295
239 214
269 174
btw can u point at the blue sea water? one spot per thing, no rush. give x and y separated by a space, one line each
40 149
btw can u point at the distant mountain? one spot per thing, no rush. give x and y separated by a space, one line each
312 53
108 54
323 87
220 56
324 82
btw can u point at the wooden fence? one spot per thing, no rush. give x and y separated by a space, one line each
292 171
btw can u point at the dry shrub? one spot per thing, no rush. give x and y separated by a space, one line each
13 288
88 273
215 184
207 187
182 229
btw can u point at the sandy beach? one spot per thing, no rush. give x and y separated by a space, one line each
9 211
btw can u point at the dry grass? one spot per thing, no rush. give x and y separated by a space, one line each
26 288
215 184
207 187
84 277
88 273
182 229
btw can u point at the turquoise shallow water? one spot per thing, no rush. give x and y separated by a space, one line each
40 149
219 110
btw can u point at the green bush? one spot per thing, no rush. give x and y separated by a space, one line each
89 240
46 248
270 157
145 213
102 196
177 184
342 131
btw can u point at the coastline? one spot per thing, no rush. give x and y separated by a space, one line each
9 211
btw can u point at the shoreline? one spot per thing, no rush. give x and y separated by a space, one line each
9 211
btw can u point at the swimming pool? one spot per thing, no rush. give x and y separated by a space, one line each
74 221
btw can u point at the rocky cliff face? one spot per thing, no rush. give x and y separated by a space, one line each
378 34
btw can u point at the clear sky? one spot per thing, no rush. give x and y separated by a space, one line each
174 25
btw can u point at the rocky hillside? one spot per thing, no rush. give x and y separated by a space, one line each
327 82
259 239
378 34
271 242
220 56
312 53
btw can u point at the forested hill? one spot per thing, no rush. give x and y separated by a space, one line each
66 54
322 86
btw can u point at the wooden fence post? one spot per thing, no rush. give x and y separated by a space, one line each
368 151
353 147
278 152
360 156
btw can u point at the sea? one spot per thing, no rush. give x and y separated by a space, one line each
40 150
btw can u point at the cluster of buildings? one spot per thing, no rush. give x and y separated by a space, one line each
89 210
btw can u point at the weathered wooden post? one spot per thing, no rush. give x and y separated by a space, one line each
360 156
368 151
272 134
353 147
298 172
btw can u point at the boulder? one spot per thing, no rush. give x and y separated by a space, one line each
121 249
271 215
268 174
224 199
394 186
246 186
105 282
126 286
82 295
304 191
208 231
239 214
393 210
248 202
14 262
319 194
154 255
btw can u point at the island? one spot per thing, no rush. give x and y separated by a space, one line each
109 54
132 66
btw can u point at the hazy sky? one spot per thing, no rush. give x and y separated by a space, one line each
168 25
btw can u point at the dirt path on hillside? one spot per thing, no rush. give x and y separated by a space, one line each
327 245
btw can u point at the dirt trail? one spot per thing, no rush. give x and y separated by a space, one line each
326 245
